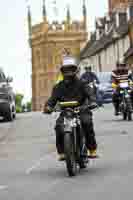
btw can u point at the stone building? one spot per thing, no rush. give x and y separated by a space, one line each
48 43
110 41
118 4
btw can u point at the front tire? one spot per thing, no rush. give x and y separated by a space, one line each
70 154
9 116
129 110
83 161
124 115
129 116
82 164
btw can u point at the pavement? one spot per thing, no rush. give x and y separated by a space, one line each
29 168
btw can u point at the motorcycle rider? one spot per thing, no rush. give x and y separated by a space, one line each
118 74
131 84
69 89
59 77
131 74
89 76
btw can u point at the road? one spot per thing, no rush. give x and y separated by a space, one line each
29 169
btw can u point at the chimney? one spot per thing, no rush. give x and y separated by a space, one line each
120 18
97 34
117 21
130 12
107 23
99 27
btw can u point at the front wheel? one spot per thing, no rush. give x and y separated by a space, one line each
83 161
82 164
129 116
9 115
124 115
129 110
70 154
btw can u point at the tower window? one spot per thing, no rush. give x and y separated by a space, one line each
38 58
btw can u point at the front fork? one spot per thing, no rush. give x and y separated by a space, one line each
126 103
70 126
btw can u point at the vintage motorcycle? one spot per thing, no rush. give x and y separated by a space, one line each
125 100
94 88
74 140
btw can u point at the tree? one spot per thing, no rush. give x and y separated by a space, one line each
29 106
18 99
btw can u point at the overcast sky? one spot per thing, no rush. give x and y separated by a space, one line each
14 48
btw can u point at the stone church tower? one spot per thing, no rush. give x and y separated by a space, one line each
48 43
116 4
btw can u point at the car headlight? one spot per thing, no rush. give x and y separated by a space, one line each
102 88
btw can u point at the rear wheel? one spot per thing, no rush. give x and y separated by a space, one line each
14 115
129 116
9 115
70 155
82 164
129 110
124 109
124 115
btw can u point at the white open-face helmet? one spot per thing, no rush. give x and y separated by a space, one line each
69 66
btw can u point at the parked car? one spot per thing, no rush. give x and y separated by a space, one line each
7 98
105 88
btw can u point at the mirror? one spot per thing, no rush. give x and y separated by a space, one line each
9 79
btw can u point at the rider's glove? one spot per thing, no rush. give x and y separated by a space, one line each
93 105
47 109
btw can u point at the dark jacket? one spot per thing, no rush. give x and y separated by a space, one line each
76 91
89 77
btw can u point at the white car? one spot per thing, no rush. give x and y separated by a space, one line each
7 98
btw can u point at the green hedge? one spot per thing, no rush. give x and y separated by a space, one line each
18 109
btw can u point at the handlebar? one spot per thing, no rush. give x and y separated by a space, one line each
77 108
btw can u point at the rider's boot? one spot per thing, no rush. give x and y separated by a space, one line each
61 157
92 153
116 112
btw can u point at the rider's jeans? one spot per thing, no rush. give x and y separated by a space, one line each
116 99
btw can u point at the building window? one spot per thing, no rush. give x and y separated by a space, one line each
50 57
45 84
117 50
39 87
38 58
106 57
99 62
45 66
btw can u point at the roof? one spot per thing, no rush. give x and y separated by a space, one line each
128 53
106 39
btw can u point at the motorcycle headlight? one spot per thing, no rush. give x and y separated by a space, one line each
69 122
121 92
100 88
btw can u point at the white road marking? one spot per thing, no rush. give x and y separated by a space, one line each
3 187
35 166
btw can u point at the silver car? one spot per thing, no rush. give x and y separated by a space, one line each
7 98
105 87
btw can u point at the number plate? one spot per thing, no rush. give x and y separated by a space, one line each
127 95
124 85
